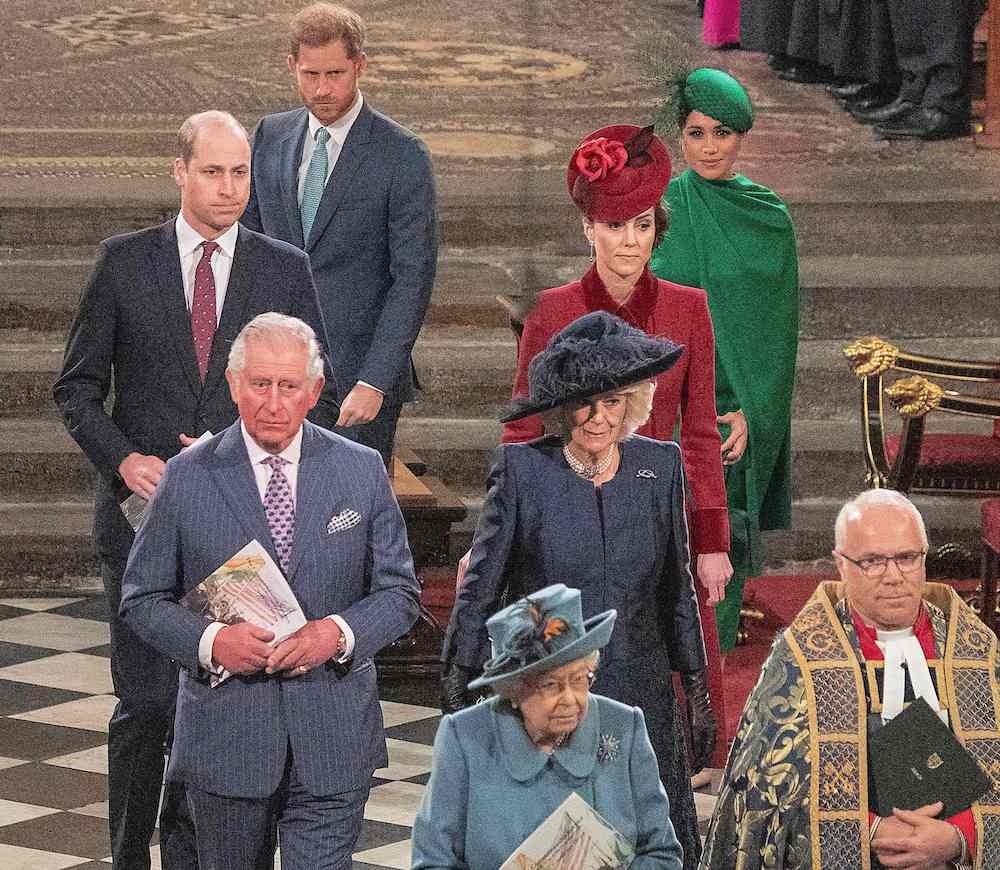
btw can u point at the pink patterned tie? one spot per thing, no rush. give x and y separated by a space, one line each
280 510
203 315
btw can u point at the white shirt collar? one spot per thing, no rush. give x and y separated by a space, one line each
188 238
257 454
342 126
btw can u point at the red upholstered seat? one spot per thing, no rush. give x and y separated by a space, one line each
941 450
991 524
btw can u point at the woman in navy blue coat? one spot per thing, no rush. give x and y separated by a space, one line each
603 510
503 767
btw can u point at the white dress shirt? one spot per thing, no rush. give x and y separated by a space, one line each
189 243
338 131
262 475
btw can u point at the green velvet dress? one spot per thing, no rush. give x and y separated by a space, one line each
735 239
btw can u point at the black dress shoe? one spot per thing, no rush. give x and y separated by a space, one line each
895 109
873 100
848 90
926 124
778 62
805 74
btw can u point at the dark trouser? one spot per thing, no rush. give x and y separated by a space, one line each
379 434
316 833
145 684
933 42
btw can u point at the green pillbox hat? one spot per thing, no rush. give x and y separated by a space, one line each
718 95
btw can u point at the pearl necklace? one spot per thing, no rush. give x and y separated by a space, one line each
585 470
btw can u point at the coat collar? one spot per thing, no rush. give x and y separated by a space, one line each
525 761
165 265
638 308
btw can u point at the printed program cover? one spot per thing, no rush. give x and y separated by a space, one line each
574 837
249 587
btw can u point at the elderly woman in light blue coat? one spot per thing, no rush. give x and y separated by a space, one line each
504 766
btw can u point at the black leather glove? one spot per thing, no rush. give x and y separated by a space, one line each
700 718
455 694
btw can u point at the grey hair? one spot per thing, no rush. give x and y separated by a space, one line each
855 508
272 327
516 688
638 407
188 134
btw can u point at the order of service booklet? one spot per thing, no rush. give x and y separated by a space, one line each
135 507
248 587
574 837
916 760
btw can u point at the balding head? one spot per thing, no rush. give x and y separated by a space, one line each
196 124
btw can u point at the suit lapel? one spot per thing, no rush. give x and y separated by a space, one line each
166 266
290 158
235 479
312 481
234 310
352 156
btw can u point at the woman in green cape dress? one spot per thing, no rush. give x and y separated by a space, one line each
735 239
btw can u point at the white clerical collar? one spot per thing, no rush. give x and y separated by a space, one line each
258 454
339 129
188 238
904 655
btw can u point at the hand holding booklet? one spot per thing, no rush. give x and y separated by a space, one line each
248 587
574 837
916 760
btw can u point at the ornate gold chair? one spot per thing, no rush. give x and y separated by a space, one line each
917 461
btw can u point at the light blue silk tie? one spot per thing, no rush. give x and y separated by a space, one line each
312 190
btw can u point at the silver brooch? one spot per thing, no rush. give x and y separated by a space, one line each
607 748
647 473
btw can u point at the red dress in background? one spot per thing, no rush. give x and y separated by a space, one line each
721 22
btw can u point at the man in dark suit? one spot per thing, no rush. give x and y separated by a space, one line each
290 741
158 315
356 192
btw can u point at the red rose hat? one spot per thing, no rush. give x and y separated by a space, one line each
618 172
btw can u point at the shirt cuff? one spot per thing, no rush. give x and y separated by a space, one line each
345 630
371 387
205 649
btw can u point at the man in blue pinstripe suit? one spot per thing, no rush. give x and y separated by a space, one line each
289 742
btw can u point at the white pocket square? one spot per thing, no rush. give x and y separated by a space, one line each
346 519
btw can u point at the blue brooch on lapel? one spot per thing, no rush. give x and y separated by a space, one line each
607 748
346 519
647 473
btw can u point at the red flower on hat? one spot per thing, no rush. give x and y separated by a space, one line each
599 158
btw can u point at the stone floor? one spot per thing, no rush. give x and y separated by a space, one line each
55 701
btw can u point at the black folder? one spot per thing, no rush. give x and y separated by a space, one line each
916 760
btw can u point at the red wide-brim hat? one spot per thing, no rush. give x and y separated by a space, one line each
618 172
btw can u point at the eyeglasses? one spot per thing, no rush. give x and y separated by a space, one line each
551 688
876 566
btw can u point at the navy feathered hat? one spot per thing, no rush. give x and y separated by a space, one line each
595 354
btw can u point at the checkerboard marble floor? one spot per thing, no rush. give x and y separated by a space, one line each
55 702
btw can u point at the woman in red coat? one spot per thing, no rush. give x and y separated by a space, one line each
617 177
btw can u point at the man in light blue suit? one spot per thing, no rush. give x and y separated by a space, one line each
289 742
356 191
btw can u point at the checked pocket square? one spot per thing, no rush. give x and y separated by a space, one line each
346 519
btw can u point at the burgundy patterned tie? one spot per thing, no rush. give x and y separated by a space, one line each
203 315
280 510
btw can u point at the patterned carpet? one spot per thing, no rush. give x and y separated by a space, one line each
55 701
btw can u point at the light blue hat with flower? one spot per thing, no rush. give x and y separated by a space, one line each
540 632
